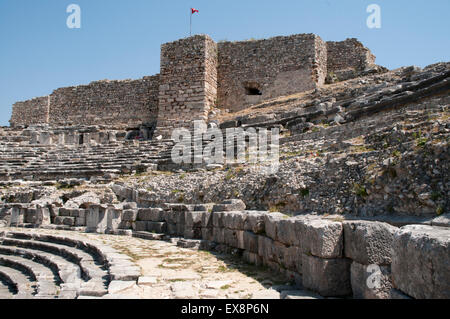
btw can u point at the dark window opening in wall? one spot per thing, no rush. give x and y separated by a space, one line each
81 139
253 91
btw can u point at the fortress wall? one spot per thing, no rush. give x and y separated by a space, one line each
275 67
188 82
196 74
348 54
130 102
33 111
320 61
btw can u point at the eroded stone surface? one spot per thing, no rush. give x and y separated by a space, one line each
329 277
420 261
371 282
369 242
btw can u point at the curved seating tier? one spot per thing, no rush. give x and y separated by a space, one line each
36 265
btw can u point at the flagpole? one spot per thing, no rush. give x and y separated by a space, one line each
190 29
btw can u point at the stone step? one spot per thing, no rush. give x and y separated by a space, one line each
17 283
5 291
89 269
120 266
44 277
67 271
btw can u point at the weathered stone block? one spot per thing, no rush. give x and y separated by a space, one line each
67 221
208 234
173 229
129 205
193 226
370 282
254 222
369 242
30 215
420 261
271 222
96 219
157 227
80 221
140 226
83 201
234 220
207 220
122 192
219 235
126 225
286 232
250 242
252 258
178 207
328 277
38 216
266 248
279 251
176 215
292 258
59 220
231 237
64 211
130 215
240 239
17 215
321 238
230 205
153 215
218 219
193 219
114 218
78 213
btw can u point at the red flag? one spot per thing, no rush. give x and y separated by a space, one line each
194 10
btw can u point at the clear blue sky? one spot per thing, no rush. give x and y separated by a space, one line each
120 39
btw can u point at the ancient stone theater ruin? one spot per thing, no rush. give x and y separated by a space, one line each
93 205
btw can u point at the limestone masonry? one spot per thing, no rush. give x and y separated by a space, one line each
196 75
92 204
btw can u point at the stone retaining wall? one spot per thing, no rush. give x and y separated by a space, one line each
333 257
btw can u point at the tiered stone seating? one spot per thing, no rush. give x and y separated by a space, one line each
50 162
415 119
41 275
18 284
5 290
43 266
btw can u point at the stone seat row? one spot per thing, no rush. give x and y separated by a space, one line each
47 266
371 127
41 281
